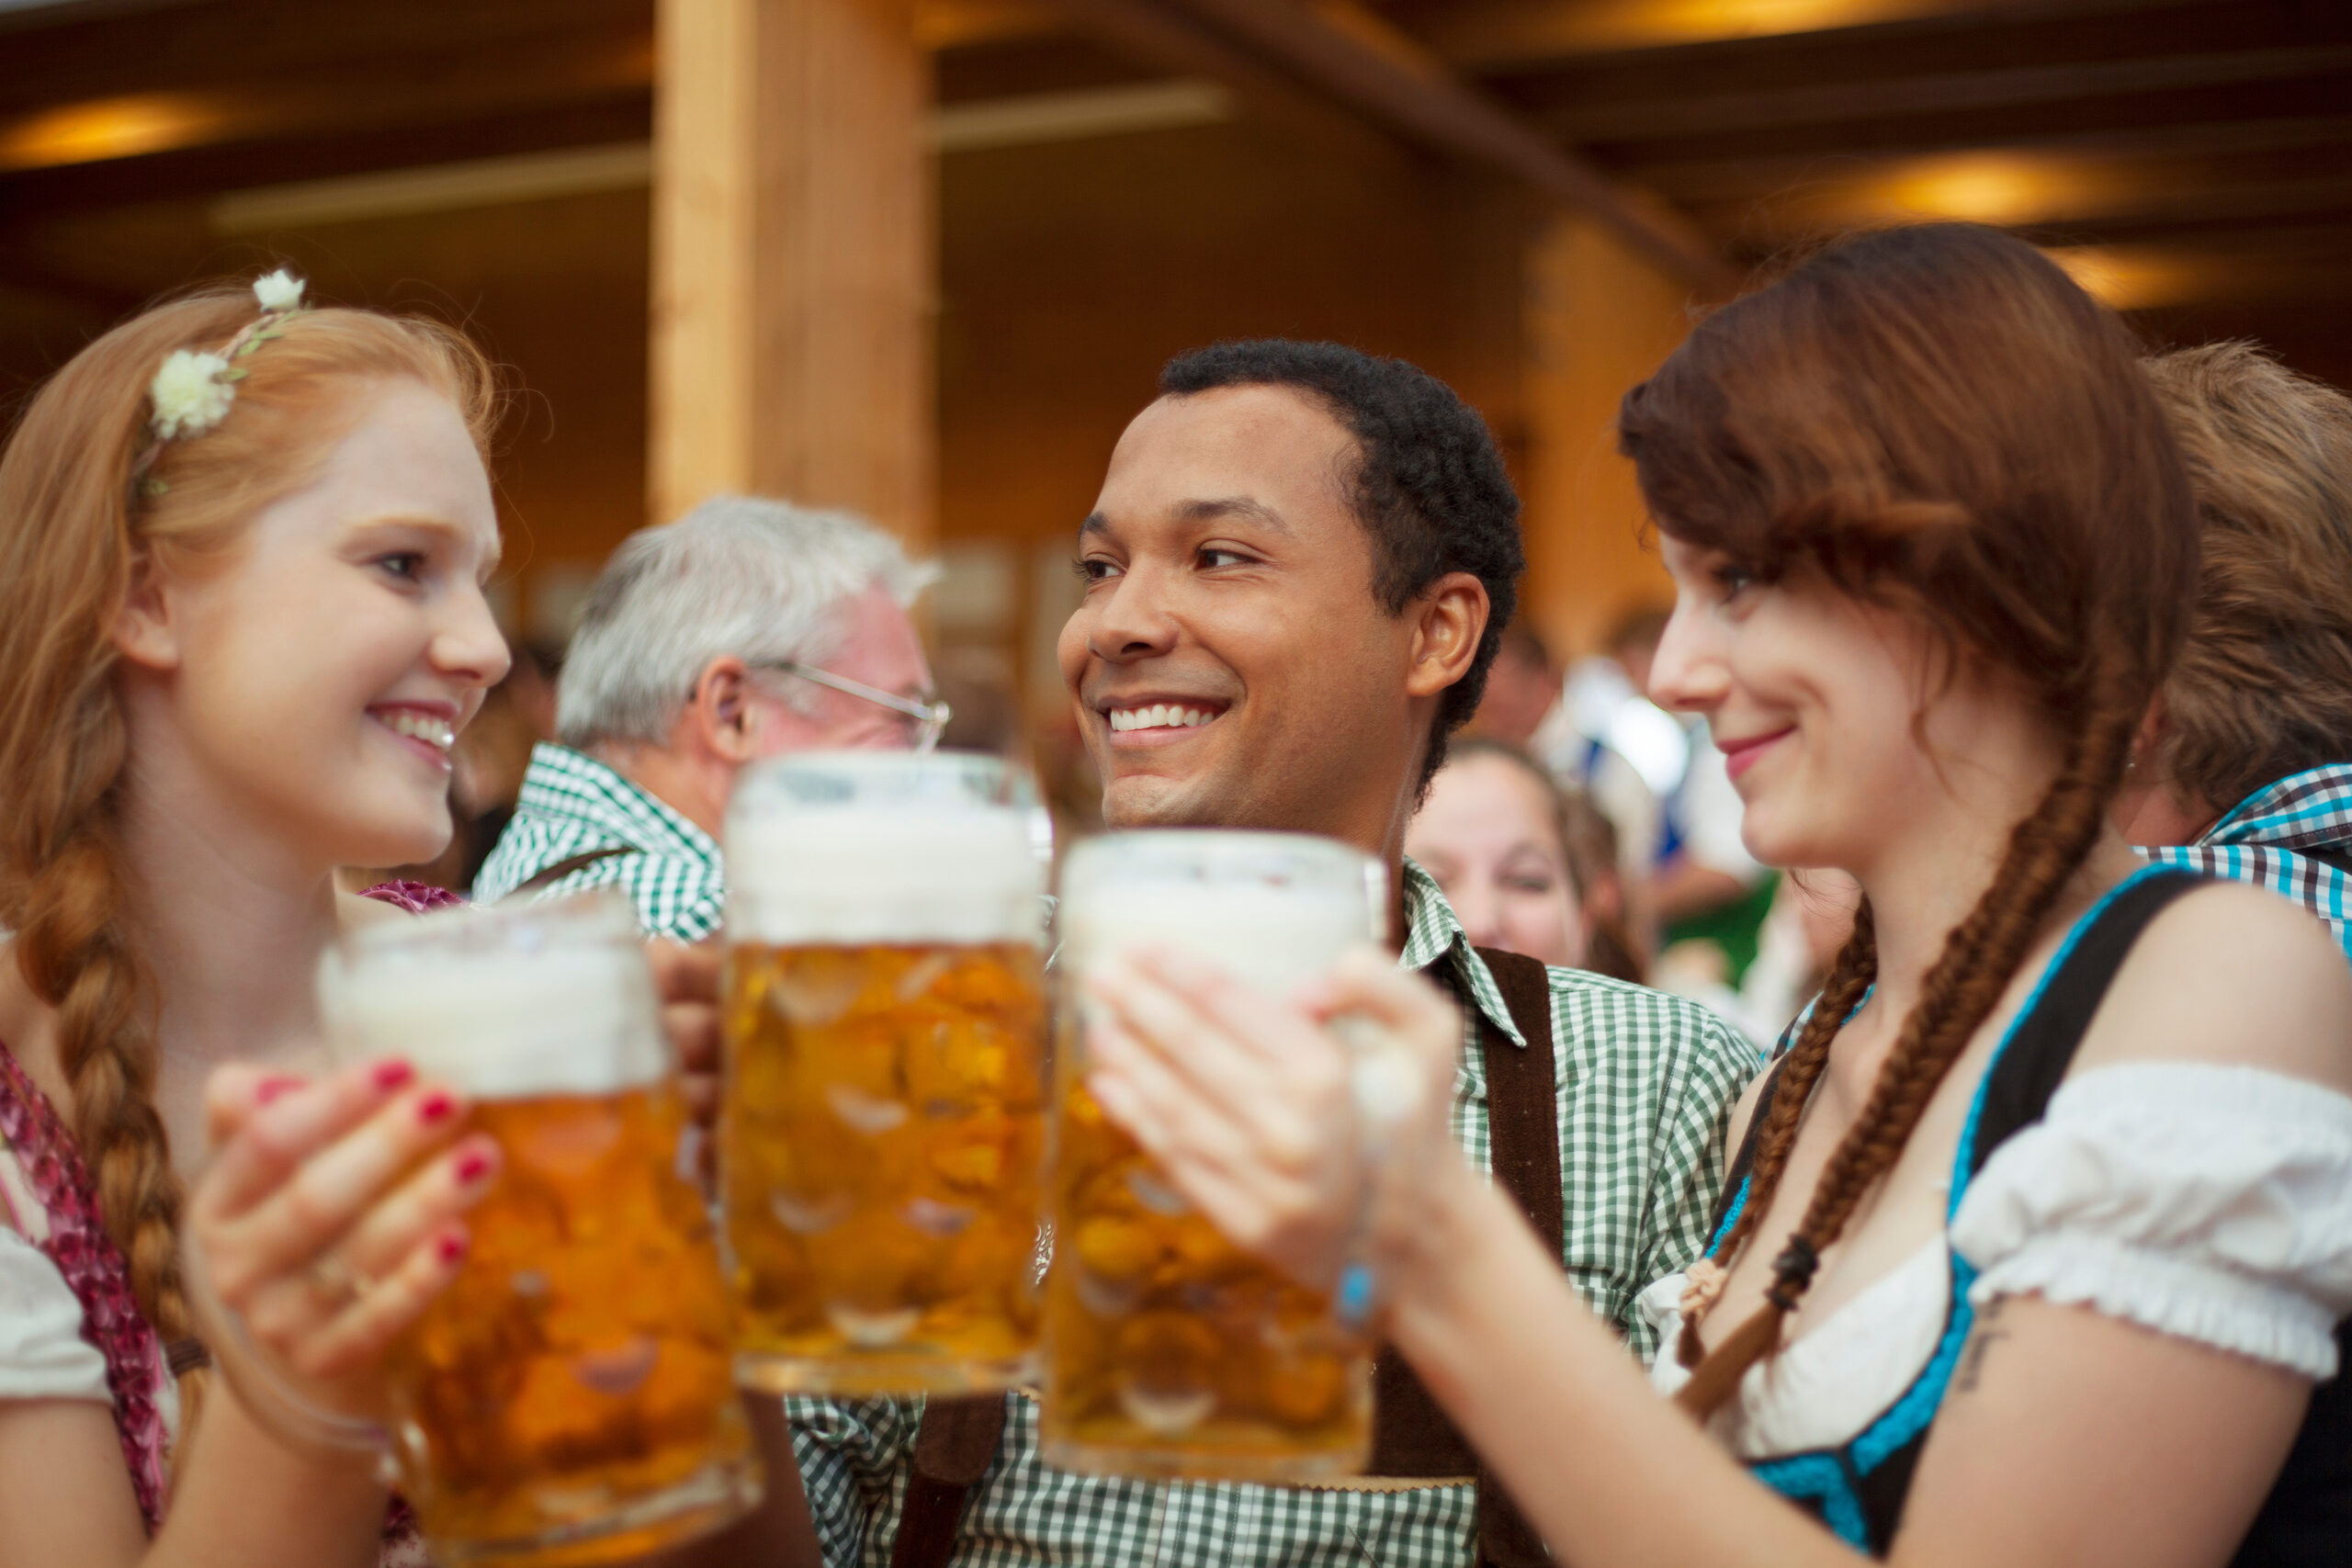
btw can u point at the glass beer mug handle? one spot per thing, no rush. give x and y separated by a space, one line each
266 1391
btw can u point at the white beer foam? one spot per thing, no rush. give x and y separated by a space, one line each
497 1023
875 874
1274 938
1213 894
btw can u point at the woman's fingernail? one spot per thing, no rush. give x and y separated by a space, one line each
392 1074
472 1166
450 1248
270 1088
436 1108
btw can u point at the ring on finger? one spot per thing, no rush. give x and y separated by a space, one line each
336 1281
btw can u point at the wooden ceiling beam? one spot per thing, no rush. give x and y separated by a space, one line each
2180 111
198 45
2020 87
1387 77
1161 35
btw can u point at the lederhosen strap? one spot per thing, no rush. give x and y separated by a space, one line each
954 1447
1411 1437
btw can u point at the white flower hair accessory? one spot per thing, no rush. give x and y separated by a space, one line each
194 389
189 394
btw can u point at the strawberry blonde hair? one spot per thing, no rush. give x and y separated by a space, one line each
1936 419
78 518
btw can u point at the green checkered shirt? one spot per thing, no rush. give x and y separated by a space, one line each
1645 1084
572 804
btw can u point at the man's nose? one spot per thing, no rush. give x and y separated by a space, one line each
1131 620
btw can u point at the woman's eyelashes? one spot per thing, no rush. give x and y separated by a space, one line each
408 566
1093 568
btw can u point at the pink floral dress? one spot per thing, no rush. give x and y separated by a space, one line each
56 1209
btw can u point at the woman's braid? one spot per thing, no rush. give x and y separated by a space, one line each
1960 992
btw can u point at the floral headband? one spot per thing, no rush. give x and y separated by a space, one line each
193 390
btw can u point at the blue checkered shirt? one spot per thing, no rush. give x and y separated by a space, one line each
1645 1083
572 804
2269 839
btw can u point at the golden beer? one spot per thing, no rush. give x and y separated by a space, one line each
569 1398
882 1139
882 1129
1169 1351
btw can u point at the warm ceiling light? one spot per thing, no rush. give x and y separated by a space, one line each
2128 279
107 127
1499 35
1977 187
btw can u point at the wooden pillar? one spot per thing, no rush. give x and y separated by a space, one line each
793 258
1598 320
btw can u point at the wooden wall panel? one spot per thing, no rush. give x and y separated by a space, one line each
1598 321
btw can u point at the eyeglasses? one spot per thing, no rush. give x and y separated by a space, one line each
925 721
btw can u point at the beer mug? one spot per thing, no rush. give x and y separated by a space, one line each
882 1127
569 1397
1169 1351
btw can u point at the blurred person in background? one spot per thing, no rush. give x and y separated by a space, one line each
242 552
1660 780
1513 853
2245 766
746 628
1521 689
1610 947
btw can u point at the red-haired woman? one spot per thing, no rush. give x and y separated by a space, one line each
2039 1231
241 549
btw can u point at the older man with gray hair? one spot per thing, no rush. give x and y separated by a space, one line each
745 628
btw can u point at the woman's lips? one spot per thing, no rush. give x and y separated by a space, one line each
427 735
1741 755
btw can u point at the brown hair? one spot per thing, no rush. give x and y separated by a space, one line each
2264 685
72 536
1938 419
1588 843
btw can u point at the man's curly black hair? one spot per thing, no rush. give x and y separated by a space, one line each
1430 488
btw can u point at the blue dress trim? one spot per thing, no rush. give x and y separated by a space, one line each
1832 1477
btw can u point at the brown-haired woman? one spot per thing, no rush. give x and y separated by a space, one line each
242 548
2246 762
2040 1227
1515 855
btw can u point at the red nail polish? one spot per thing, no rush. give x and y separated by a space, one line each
472 1167
270 1088
390 1076
435 1108
450 1248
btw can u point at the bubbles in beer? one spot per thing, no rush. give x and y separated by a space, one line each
1169 1351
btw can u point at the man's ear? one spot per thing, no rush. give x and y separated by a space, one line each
145 632
1449 620
720 712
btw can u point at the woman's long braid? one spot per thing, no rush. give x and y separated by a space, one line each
76 949
1849 979
1978 960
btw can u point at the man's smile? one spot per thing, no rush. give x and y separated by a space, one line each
1157 719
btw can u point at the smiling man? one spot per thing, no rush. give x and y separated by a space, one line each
1295 571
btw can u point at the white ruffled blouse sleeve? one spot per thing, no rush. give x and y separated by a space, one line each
42 1353
2210 1203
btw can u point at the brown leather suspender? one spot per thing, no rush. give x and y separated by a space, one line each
1411 1437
